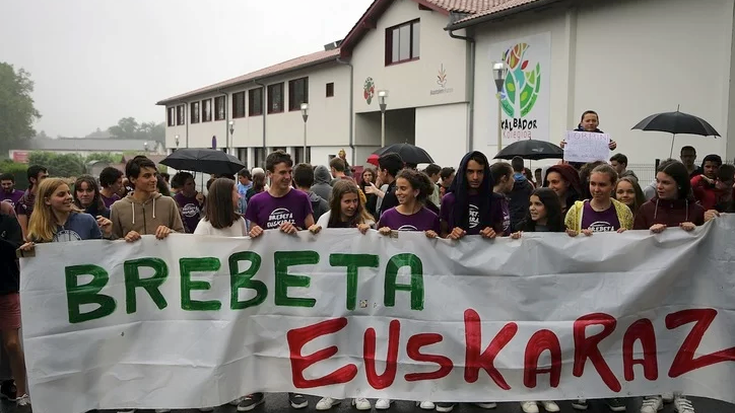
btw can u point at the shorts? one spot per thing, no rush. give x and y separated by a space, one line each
10 311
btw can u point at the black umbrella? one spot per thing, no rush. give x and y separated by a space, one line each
676 123
409 153
531 149
210 161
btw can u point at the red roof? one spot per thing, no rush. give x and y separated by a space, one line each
498 6
289 65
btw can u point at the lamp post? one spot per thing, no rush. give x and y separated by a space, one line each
232 131
145 146
500 70
305 115
382 96
176 140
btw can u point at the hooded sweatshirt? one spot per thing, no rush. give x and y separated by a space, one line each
519 199
318 204
128 215
669 213
322 180
569 174
10 239
472 213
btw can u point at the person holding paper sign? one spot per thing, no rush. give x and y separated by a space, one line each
589 123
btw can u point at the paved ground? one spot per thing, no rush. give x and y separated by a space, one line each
278 403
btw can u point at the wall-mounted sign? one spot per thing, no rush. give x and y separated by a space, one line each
441 80
369 90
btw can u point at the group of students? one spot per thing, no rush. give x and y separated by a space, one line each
474 201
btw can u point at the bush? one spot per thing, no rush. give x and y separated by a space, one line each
18 170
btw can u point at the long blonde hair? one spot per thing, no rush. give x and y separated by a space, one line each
42 225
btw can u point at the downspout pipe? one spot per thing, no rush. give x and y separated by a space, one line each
471 88
351 106
264 107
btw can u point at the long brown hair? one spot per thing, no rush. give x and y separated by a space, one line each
92 183
640 199
42 225
219 210
342 188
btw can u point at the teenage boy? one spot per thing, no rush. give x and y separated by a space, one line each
388 167
24 206
144 211
111 181
287 209
189 200
9 193
303 178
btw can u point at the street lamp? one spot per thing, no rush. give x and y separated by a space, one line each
382 95
176 139
305 115
231 140
145 146
500 70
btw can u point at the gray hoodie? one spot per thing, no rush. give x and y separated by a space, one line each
322 179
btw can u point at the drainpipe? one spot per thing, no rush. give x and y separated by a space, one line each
471 87
351 106
264 106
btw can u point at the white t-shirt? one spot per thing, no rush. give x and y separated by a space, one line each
324 220
237 229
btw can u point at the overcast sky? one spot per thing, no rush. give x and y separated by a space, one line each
94 62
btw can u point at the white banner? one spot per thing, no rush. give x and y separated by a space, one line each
586 147
198 321
525 99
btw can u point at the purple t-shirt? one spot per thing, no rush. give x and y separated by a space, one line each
603 221
109 201
24 206
505 211
190 211
269 212
12 197
423 220
496 212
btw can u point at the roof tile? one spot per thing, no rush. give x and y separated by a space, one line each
494 6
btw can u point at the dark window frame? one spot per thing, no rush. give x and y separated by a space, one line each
413 54
171 116
206 103
195 112
180 115
330 90
293 87
276 106
237 100
255 108
220 105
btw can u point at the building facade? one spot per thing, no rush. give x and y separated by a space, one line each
624 59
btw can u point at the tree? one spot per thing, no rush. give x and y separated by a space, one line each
126 128
17 110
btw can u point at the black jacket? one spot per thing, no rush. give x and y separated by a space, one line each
10 239
519 201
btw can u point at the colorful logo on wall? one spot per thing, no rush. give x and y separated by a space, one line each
442 77
522 84
368 90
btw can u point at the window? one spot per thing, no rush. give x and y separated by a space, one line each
219 108
299 155
171 116
330 90
298 93
181 115
255 100
259 155
207 110
238 105
275 98
402 43
194 112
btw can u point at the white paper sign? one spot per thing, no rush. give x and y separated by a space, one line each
195 321
586 147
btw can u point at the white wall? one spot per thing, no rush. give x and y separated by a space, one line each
441 131
626 60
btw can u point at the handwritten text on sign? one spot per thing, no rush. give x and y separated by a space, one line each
341 314
586 147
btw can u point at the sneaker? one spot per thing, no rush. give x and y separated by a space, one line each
206 409
362 404
327 403
237 401
615 404
383 404
25 401
668 397
681 405
580 404
550 406
486 405
425 405
8 390
251 402
297 401
444 407
652 404
529 407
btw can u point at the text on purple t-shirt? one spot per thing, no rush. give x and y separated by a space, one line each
190 211
496 213
603 221
423 220
269 212
12 197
